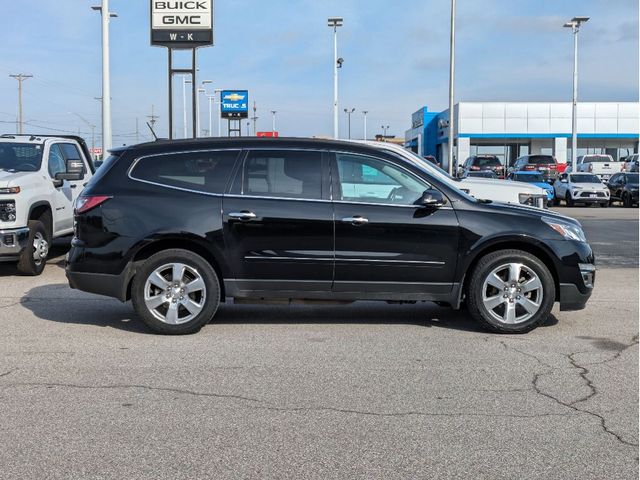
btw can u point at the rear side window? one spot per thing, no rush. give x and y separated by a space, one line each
541 160
206 172
282 174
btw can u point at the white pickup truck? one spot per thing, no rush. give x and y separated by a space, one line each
40 178
601 165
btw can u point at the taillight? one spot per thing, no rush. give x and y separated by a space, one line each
86 203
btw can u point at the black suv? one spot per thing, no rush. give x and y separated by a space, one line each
545 164
180 226
482 163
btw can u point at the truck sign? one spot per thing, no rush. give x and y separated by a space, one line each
234 104
182 24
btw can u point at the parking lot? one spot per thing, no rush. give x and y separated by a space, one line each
362 391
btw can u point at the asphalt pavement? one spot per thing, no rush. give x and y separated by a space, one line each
362 391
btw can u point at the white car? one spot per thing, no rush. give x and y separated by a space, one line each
481 188
40 178
584 188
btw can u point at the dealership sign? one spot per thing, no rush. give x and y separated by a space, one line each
234 103
182 24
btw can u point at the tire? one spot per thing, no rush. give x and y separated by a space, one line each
33 258
568 199
604 205
530 309
555 202
193 309
626 200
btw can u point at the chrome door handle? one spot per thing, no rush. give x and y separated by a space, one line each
356 220
244 215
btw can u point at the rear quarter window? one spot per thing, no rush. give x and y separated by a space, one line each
206 172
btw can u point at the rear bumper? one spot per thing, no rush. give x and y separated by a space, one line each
12 242
110 285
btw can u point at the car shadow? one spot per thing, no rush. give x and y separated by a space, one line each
58 303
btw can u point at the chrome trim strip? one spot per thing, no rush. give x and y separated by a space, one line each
260 197
325 259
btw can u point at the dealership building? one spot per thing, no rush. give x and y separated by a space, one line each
511 129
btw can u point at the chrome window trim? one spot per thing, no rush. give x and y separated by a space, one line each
328 259
181 152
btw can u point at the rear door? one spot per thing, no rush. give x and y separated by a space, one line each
278 222
384 242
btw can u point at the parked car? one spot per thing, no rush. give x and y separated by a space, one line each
180 226
601 165
40 178
545 164
583 188
479 174
623 187
479 163
536 179
631 163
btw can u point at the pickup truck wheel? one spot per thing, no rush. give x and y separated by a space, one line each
176 292
34 257
510 291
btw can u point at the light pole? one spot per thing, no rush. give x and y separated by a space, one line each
106 83
349 112
273 121
364 112
335 22
93 132
574 24
452 59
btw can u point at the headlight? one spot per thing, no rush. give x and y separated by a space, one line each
9 190
567 230
8 211
532 199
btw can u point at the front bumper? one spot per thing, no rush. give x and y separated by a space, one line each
12 242
574 298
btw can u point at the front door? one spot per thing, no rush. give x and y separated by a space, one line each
278 223
384 241
61 193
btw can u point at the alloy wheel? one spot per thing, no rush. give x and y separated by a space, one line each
175 293
512 293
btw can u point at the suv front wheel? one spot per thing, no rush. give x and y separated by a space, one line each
176 292
511 291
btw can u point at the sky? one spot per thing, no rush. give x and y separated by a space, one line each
396 61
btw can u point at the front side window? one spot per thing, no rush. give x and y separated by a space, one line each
371 180
56 161
206 172
282 174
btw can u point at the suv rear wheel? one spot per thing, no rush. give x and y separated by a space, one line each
511 291
176 292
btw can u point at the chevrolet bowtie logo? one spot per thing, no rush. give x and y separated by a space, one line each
234 97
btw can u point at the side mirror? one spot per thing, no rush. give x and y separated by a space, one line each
75 171
432 198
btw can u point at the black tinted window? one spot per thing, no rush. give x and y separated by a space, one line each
70 151
541 160
287 174
487 162
201 171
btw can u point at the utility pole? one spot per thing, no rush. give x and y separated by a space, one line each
106 83
152 118
364 112
335 22
21 78
254 118
452 58
273 121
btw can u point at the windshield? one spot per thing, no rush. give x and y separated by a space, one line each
584 179
20 157
487 162
531 178
598 158
541 160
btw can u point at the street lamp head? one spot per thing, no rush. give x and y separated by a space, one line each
334 22
575 22
340 62
580 19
